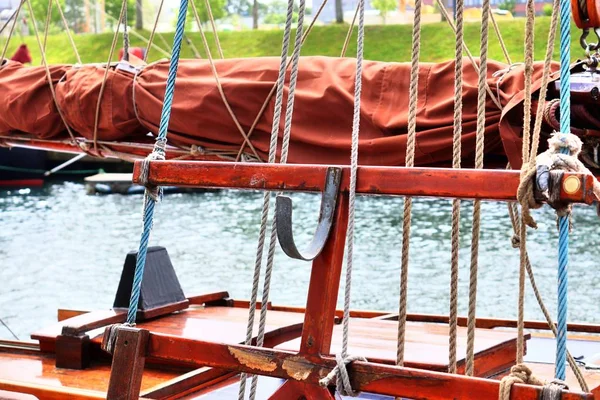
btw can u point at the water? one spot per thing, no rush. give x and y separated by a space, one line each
60 248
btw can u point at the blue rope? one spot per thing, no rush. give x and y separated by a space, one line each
150 201
563 223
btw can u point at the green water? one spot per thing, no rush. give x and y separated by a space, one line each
60 248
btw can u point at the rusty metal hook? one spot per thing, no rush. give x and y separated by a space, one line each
283 214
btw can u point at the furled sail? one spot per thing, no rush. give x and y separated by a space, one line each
133 95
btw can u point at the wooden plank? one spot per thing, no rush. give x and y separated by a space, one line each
436 182
369 377
51 392
208 298
188 383
129 357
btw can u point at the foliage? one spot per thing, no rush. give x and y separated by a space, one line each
547 10
216 6
113 9
384 7
508 5
277 11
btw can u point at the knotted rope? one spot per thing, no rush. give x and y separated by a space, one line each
151 194
340 376
521 374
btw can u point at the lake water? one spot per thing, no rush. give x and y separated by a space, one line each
61 248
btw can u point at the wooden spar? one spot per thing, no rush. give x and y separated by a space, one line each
435 182
365 376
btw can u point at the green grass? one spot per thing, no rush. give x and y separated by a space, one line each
383 43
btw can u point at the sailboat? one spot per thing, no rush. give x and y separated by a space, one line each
340 127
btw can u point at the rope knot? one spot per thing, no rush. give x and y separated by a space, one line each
158 154
515 241
340 376
519 373
553 390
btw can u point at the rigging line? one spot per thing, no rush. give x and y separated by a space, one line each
125 35
456 163
214 28
49 79
272 92
8 328
413 98
8 21
218 82
68 31
152 194
500 39
48 15
10 33
107 68
153 32
516 224
442 8
285 145
526 159
563 220
349 33
267 195
481 100
136 34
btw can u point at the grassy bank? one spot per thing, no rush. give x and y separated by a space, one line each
383 43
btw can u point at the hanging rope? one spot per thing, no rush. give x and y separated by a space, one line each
152 194
340 373
68 31
289 111
214 28
10 32
500 39
413 97
349 33
125 35
477 203
153 32
456 159
563 221
267 195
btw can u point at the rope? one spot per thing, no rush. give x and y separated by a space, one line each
10 32
516 224
500 39
443 10
218 81
519 373
214 28
48 15
125 35
272 92
409 163
267 195
289 111
456 159
8 21
8 329
477 203
349 33
157 153
68 31
340 372
134 33
563 222
153 32
103 85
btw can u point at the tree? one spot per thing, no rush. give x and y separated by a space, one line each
384 7
239 7
508 5
113 10
40 9
339 12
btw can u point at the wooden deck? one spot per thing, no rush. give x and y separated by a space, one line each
426 345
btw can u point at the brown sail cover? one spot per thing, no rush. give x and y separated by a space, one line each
322 118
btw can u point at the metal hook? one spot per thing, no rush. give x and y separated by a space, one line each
283 214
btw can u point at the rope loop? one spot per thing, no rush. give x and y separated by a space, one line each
519 373
553 390
340 376
158 154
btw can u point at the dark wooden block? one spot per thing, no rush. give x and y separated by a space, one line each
129 357
72 352
160 293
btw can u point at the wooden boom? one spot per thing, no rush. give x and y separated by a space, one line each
396 181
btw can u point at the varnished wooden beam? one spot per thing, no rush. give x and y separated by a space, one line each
368 377
399 181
